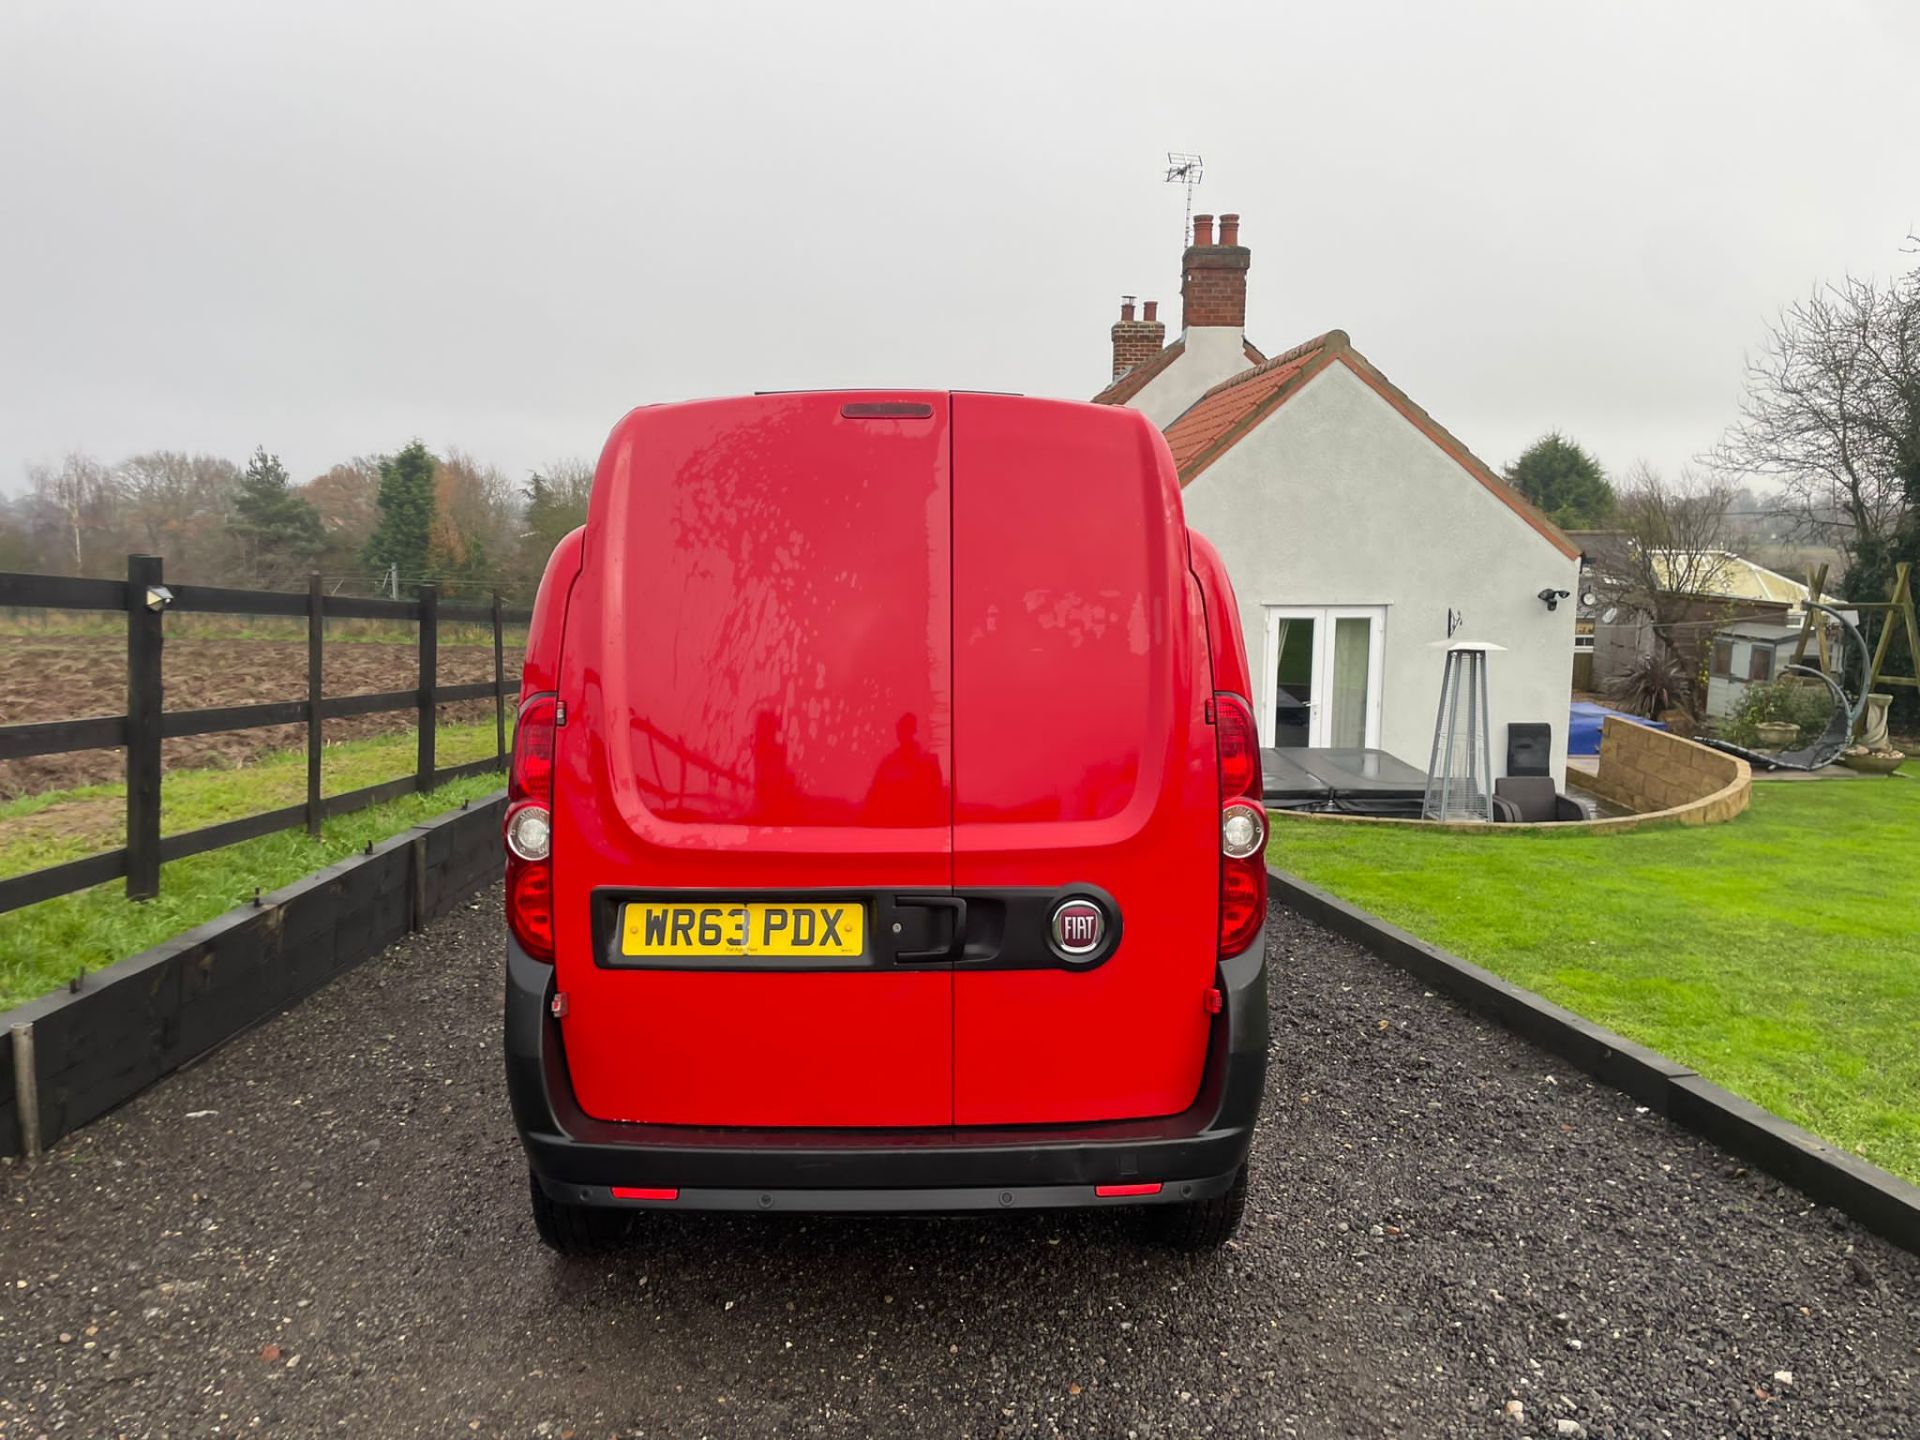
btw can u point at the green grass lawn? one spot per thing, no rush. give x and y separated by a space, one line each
43 946
1778 955
59 825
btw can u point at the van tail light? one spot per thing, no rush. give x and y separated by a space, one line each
530 777
530 905
1239 748
529 828
1243 902
1243 826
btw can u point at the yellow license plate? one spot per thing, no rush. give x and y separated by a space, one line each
743 928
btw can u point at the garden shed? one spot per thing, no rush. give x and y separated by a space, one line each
1745 653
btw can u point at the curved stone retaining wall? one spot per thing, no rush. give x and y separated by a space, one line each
1657 775
1651 772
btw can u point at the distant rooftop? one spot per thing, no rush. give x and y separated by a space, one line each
1737 578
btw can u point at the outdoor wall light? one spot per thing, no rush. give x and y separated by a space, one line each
158 597
1553 597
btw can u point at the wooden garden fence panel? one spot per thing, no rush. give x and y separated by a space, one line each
146 600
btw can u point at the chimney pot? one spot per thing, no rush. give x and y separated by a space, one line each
1213 289
1136 341
1150 311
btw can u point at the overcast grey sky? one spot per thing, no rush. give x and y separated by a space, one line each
330 227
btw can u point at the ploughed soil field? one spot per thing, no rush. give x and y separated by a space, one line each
323 1230
71 677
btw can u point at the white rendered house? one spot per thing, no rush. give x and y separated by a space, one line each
1357 530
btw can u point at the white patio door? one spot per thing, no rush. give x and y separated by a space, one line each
1322 676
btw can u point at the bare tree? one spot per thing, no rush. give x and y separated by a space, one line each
346 498
475 521
73 512
1676 556
175 505
1831 410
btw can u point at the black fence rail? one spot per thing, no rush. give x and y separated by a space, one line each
146 600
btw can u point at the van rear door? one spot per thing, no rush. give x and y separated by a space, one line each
752 852
1083 763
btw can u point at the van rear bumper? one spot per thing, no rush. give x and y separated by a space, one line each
1193 1155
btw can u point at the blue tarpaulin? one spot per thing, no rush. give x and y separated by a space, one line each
1583 726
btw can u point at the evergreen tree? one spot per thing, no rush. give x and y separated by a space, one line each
279 533
556 502
1561 478
406 502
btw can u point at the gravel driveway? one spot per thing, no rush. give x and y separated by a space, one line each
323 1230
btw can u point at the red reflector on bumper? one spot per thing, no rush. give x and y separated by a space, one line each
630 1192
1110 1191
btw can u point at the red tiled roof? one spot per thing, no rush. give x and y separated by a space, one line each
1231 408
1219 417
1215 423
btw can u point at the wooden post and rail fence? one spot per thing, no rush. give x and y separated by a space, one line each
146 600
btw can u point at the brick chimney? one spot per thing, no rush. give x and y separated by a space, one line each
1213 285
1137 341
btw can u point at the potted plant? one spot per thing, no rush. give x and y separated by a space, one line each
1776 714
1872 762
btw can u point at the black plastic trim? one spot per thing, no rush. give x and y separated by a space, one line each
897 1201
977 928
956 940
566 1147
897 926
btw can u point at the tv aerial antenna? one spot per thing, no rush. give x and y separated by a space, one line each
1185 170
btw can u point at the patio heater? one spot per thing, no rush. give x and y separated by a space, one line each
1460 772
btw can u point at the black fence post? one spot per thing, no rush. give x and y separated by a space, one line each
146 606
499 689
316 645
429 678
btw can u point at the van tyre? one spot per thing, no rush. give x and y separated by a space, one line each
575 1229
1201 1224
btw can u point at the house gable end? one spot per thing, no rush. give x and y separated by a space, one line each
1535 518
1227 413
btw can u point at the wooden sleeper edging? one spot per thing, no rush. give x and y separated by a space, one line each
1877 1199
144 1017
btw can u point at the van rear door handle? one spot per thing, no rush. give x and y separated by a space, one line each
956 938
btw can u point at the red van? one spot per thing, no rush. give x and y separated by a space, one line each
884 828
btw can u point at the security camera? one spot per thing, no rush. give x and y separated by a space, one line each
1553 597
